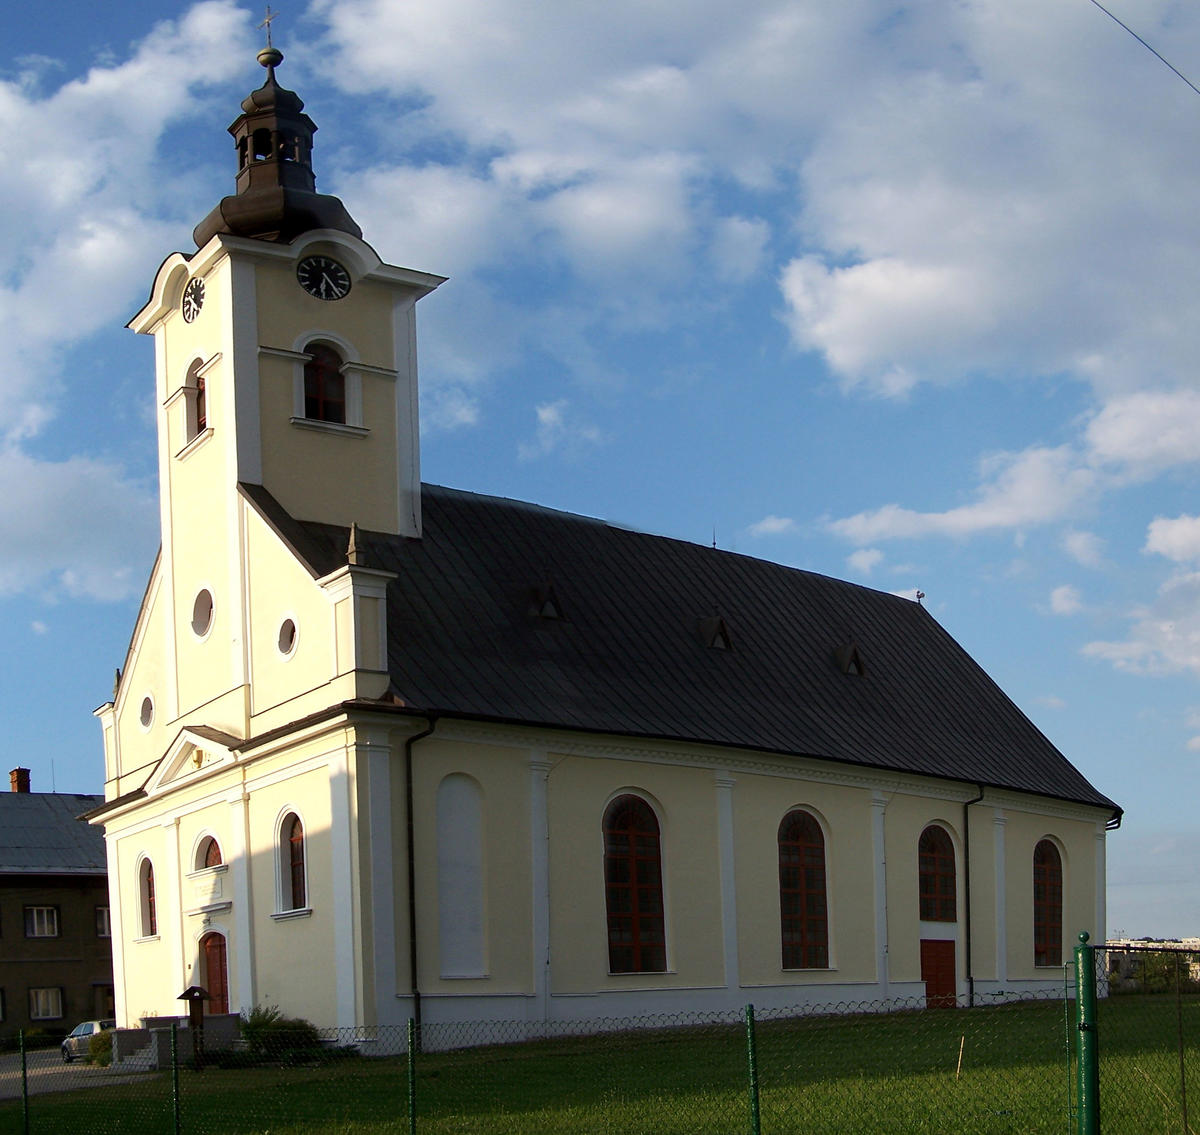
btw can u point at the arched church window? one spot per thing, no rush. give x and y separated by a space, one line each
291 856
633 888
1047 904
149 911
208 854
804 918
939 898
324 385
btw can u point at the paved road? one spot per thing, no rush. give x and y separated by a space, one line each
48 1073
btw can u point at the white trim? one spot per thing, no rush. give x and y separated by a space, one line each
194 444
376 762
285 915
283 875
343 902
539 875
999 824
879 803
728 878
343 428
242 882
1100 930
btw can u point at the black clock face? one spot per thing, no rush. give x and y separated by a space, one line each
193 299
323 277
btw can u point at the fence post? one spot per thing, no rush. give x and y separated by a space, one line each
1179 1034
24 1082
412 1076
752 1068
1088 1112
175 1078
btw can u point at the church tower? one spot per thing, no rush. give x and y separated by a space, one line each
285 348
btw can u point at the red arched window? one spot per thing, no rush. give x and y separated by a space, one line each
201 404
633 888
939 901
149 912
1047 905
212 853
324 385
803 916
295 889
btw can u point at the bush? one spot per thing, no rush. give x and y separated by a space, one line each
269 1035
100 1048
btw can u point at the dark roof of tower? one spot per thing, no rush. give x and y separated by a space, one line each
276 196
512 612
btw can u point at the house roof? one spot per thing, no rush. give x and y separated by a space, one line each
513 612
41 834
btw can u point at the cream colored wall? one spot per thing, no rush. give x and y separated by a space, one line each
503 776
1076 840
149 965
685 802
759 805
304 468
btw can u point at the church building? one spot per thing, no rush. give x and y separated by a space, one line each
381 749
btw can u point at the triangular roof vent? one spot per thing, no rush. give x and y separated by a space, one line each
544 602
714 633
849 660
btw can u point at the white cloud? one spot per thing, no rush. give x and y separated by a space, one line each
38 627
1036 486
1147 431
771 526
1051 701
1084 548
558 432
1164 635
738 247
1177 539
865 560
79 526
1066 600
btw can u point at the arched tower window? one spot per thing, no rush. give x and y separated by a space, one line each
291 861
201 404
804 919
149 911
1047 905
633 888
324 385
208 854
939 898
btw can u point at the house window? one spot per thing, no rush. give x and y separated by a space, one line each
149 920
633 888
103 922
45 1004
208 854
41 922
939 901
324 385
804 919
295 889
1047 905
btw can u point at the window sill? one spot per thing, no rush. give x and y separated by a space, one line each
195 443
286 915
147 938
210 908
201 872
330 427
641 973
809 969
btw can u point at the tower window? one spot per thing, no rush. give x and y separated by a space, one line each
324 385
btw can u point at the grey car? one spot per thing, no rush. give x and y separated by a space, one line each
76 1042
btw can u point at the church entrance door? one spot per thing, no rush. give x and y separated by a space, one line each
938 973
216 976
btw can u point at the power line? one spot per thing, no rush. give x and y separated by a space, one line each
1150 49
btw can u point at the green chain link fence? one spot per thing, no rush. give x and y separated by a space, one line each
1005 1065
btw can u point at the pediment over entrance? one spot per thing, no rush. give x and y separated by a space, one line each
196 750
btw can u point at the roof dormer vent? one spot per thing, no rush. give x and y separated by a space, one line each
714 633
543 602
849 660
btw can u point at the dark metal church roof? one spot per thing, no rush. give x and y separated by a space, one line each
813 667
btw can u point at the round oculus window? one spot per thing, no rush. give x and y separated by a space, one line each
287 637
202 613
146 714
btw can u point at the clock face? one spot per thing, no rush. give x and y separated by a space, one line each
193 299
323 277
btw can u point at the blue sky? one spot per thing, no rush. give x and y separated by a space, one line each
905 295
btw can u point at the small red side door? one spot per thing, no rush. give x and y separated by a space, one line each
937 972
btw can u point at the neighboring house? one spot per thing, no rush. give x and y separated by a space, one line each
381 748
55 939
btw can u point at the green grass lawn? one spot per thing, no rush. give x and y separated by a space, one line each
852 1073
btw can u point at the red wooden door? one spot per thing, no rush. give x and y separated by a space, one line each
216 980
938 973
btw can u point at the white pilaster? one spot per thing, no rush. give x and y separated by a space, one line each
539 874
999 823
346 970
173 902
879 805
1100 931
378 764
724 784
116 925
243 899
